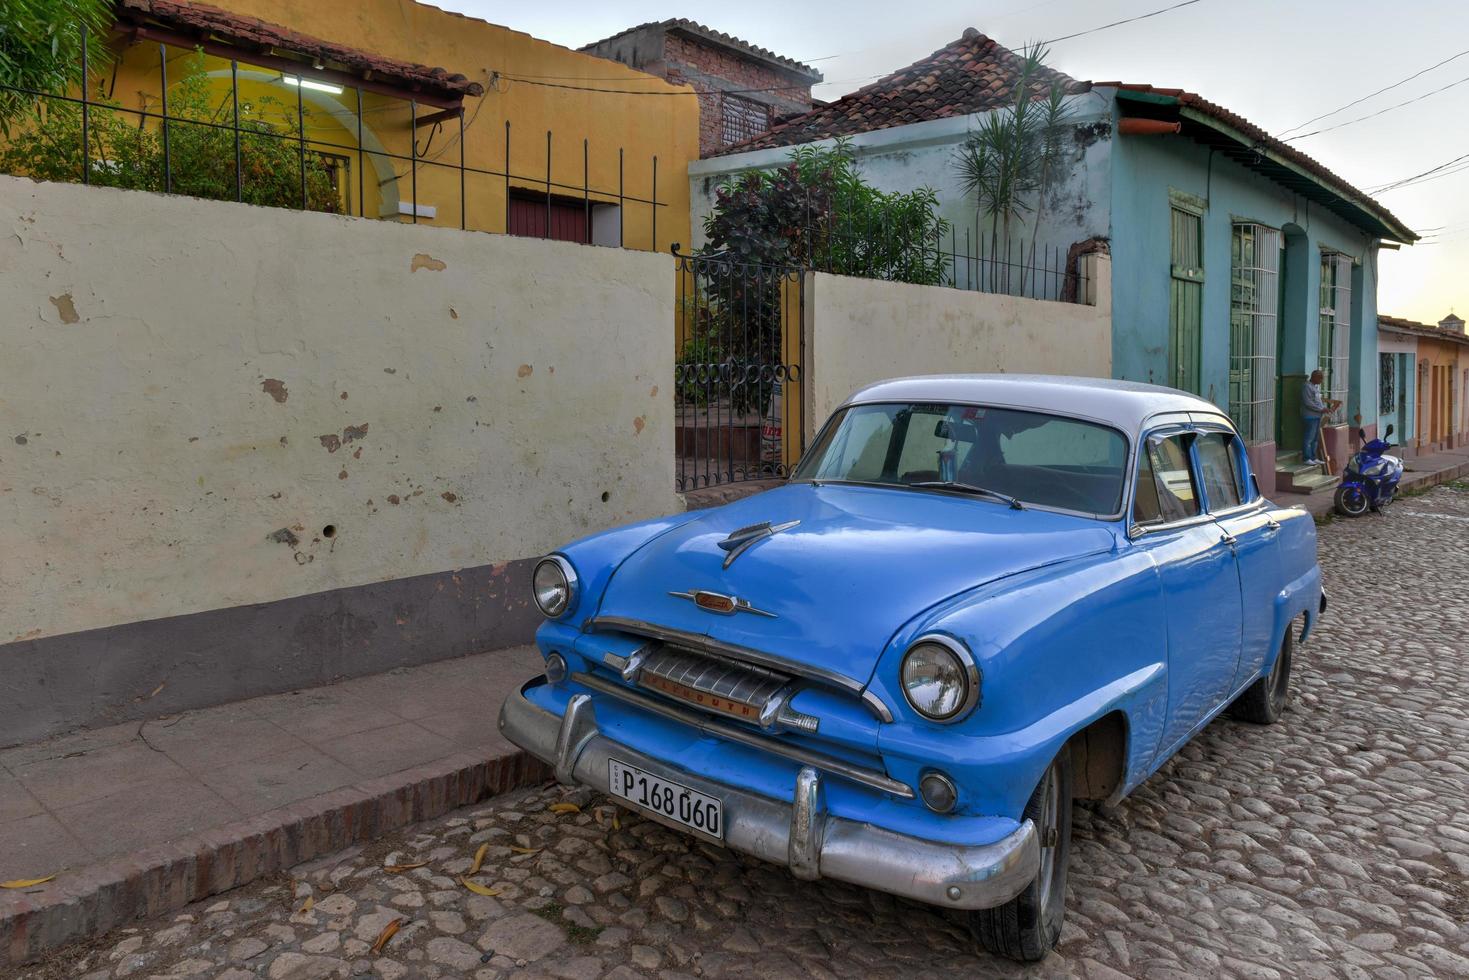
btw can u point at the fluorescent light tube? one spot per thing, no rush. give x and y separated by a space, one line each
308 83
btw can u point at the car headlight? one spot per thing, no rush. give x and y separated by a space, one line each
940 679
554 585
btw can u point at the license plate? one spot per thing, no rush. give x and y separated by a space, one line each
668 799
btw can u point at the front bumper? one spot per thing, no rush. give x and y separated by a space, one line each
797 833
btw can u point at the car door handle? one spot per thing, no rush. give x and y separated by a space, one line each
1229 539
1271 524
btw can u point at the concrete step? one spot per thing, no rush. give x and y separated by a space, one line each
1316 483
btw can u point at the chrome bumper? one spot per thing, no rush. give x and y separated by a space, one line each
797 833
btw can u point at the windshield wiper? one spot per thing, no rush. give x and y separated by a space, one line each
1004 498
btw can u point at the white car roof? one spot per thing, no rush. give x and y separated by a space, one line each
1123 404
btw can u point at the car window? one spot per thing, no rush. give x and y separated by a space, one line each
1165 483
1219 468
1036 457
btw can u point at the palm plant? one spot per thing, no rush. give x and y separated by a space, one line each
41 49
1008 161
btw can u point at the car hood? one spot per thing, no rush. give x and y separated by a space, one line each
862 562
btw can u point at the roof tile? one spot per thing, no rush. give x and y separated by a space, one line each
202 18
972 74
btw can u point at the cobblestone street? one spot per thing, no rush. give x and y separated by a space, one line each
1333 844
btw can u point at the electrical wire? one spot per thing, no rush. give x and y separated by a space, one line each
1395 184
1119 23
1379 112
1364 98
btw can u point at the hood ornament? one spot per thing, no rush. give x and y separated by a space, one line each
746 537
716 602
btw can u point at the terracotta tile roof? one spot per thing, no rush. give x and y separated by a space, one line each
1262 140
1421 329
973 74
698 30
252 34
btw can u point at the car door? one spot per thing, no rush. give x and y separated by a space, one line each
1197 570
1245 517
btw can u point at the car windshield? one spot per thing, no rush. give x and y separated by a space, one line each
1033 457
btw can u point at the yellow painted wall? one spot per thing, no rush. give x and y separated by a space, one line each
665 125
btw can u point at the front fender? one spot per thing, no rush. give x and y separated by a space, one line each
597 557
1057 648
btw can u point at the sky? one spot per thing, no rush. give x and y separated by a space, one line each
1278 63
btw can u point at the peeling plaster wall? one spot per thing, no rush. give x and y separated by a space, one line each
207 405
864 330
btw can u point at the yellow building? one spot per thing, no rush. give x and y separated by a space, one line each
404 111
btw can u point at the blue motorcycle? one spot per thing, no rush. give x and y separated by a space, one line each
1371 478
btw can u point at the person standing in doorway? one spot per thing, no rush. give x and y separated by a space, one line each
1313 406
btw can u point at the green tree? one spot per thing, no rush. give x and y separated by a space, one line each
41 49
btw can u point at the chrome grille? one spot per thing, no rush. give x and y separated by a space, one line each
743 691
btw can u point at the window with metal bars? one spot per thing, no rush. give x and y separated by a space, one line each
1387 384
742 118
1335 331
1253 305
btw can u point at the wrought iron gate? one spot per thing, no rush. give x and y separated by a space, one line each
738 379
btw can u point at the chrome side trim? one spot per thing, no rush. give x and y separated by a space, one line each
775 746
962 876
804 850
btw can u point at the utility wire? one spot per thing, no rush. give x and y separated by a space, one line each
1371 95
1119 23
1393 185
1374 115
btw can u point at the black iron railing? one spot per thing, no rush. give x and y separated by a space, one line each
163 174
738 390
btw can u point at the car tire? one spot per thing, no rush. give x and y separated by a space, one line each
1028 926
1263 702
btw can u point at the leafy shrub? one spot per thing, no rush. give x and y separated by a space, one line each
41 48
201 158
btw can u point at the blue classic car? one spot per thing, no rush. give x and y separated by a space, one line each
977 599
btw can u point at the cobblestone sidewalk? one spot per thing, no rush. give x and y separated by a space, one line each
1333 844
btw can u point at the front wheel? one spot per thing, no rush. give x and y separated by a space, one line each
1350 501
1027 926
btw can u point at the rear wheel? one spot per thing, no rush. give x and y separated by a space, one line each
1027 926
1263 702
1350 501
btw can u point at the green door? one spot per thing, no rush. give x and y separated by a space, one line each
1186 300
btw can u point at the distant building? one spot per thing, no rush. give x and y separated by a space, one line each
743 89
1423 373
1239 263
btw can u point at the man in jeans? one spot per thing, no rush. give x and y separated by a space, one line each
1313 407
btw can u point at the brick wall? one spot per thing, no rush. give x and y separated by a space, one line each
709 67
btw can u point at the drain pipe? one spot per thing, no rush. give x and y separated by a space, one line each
1133 126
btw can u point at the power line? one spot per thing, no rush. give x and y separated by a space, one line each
1379 112
1119 23
1393 185
1375 94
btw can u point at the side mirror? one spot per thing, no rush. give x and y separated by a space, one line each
1388 433
1362 435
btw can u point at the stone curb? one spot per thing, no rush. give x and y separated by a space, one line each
98 898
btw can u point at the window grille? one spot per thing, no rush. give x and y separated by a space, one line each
1335 336
1253 305
1387 384
743 118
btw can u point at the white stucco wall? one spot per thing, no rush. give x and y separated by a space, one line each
185 386
864 330
904 158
